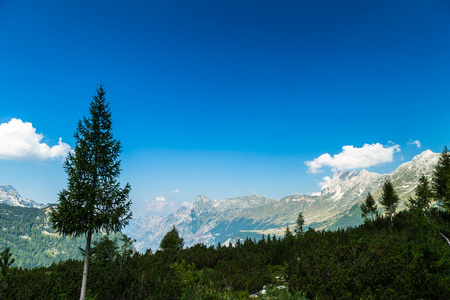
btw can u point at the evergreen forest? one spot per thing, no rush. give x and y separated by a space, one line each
29 235
407 259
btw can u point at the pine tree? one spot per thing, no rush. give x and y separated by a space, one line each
389 199
424 195
172 241
288 233
300 222
441 179
5 263
369 207
93 200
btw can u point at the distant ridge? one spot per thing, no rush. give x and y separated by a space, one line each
209 221
9 196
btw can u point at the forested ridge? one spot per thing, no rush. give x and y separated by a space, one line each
30 236
406 259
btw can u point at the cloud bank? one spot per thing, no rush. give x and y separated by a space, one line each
354 158
19 141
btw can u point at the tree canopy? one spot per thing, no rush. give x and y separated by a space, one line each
369 207
441 179
389 199
300 222
93 200
172 241
424 195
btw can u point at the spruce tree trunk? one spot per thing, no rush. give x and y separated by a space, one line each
86 265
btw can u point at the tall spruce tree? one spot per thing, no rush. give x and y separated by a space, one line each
424 194
93 200
369 207
300 222
389 199
441 179
172 241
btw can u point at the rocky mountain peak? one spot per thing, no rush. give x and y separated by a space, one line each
9 196
8 189
298 197
202 199
243 202
423 163
347 180
203 205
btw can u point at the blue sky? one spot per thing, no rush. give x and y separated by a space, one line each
223 98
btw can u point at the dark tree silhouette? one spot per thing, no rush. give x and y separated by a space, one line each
172 241
441 179
389 199
424 195
369 207
300 222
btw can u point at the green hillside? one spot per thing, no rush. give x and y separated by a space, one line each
27 232
406 259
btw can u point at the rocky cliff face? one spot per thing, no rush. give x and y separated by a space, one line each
9 196
209 221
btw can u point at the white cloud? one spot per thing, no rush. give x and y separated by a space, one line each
157 204
354 158
325 183
416 142
19 141
161 199
176 191
316 194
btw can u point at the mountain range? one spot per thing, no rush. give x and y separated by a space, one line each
209 221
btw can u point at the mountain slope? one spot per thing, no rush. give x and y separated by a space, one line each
33 242
209 221
9 196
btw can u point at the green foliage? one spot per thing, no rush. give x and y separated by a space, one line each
32 240
423 197
441 179
5 275
5 261
288 233
373 261
369 207
172 241
389 199
300 222
93 200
